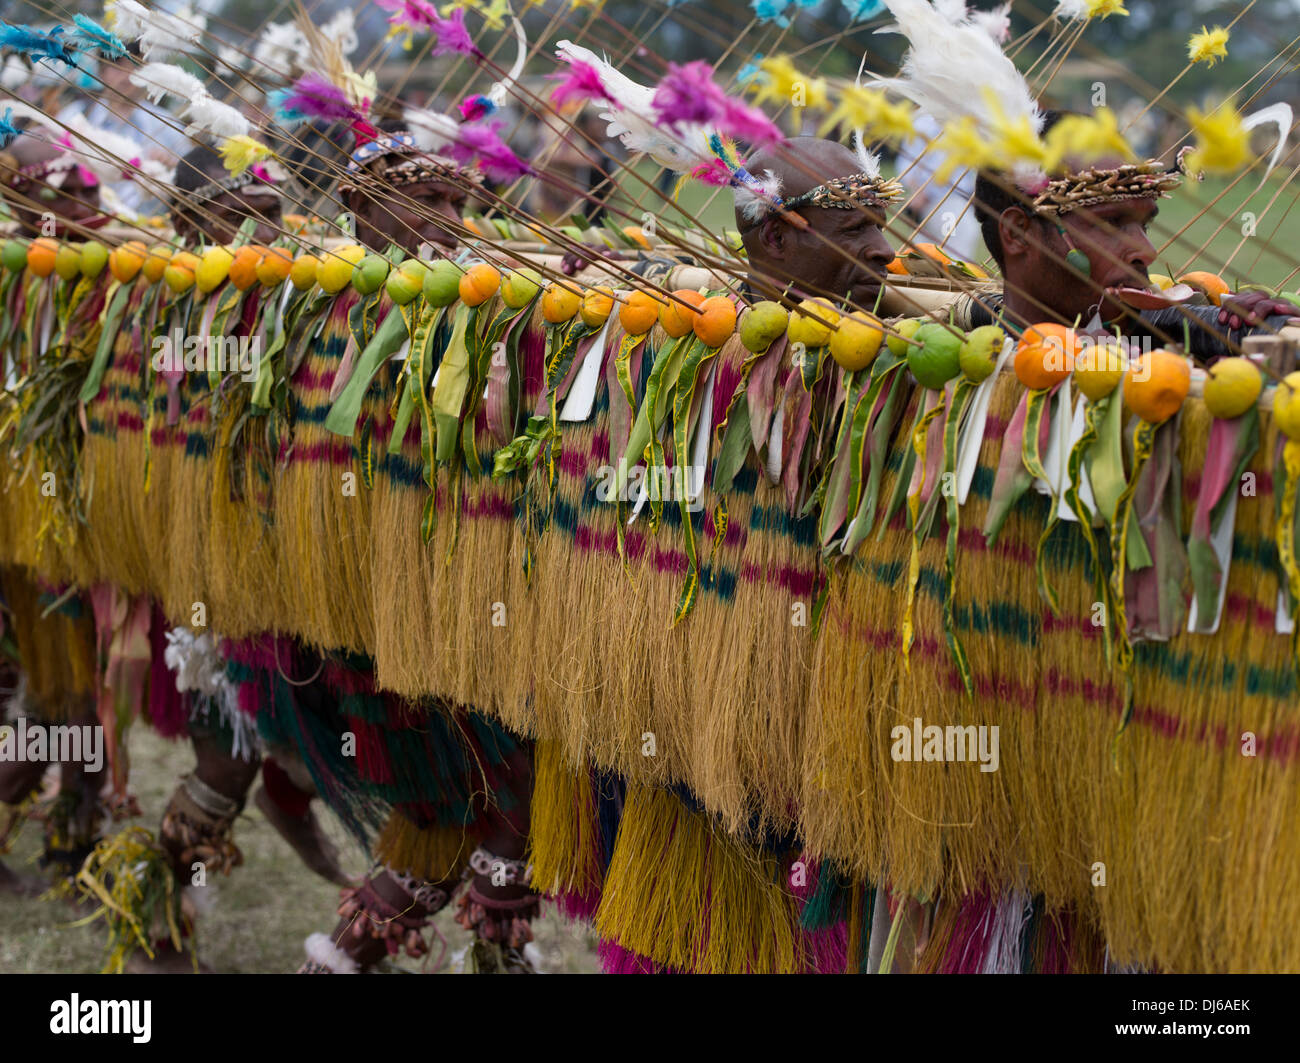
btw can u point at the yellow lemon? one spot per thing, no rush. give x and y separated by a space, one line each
856 341
1232 387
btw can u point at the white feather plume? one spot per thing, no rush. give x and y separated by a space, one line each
497 93
342 30
167 79
996 23
165 34
219 119
15 74
432 131
867 159
281 48
632 118
232 57
37 117
1278 114
953 10
754 201
950 70
130 19
1071 9
108 154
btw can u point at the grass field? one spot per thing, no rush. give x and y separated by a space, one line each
262 912
1269 256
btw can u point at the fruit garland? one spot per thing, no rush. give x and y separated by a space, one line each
455 316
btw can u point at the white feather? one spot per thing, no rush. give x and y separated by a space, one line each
996 23
110 155
166 34
867 159
632 119
342 30
497 93
130 19
38 118
212 116
1278 114
953 10
280 48
15 74
1071 9
950 69
232 57
432 131
163 79
753 201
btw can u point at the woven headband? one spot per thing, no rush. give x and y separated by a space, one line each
847 193
252 176
1088 188
413 166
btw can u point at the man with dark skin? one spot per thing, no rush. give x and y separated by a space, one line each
839 253
401 195
425 208
213 205
48 193
1040 285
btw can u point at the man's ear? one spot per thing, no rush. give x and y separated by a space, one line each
1018 232
772 235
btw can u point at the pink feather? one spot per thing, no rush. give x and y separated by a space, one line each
315 96
581 83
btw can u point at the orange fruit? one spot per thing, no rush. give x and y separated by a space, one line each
639 313
1214 286
275 266
932 252
125 262
41 254
1045 355
180 272
676 318
597 305
243 271
896 267
716 321
155 262
559 303
478 284
635 232
1156 384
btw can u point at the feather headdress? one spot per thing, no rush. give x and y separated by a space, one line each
631 117
159 34
936 75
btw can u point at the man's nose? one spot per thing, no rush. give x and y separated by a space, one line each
877 251
1140 252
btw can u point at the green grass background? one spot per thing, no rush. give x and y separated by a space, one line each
263 911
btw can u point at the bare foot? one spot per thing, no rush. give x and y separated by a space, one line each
306 837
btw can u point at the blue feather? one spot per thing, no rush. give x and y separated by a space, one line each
286 115
8 132
90 36
34 44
